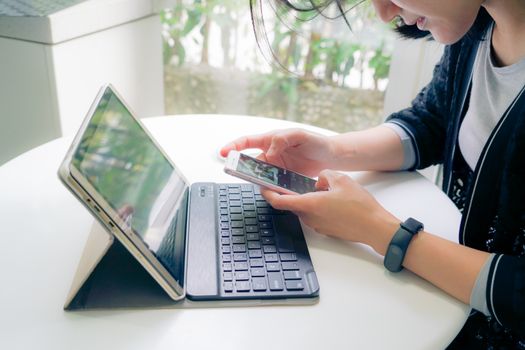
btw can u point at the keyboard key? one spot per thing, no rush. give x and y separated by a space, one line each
241 266
228 276
234 210
262 204
234 190
288 265
224 218
250 222
226 267
266 232
223 212
275 280
247 194
273 267
254 245
256 263
225 225
264 211
288 257
270 249
258 272
249 214
225 241
237 232
259 284
252 229
239 248
252 237
248 207
255 253
225 233
234 196
237 224
240 257
226 258
247 188
248 201
294 285
292 275
264 218
271 257
236 217
238 240
265 224
242 276
226 249
228 287
267 240
243 286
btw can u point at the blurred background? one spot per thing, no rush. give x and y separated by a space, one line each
330 76
199 56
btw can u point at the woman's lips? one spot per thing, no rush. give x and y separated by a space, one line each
421 23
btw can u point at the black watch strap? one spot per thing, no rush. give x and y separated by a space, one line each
395 253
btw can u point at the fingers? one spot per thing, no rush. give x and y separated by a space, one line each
329 179
252 141
279 201
273 142
278 145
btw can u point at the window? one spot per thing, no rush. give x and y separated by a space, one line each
337 81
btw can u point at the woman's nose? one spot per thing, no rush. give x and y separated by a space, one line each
386 10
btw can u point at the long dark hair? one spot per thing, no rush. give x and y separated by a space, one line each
309 9
305 10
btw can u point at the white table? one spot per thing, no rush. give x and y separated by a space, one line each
361 306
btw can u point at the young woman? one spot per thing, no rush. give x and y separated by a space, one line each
471 119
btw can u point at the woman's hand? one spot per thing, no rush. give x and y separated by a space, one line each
341 208
294 149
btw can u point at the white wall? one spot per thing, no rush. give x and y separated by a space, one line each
46 90
28 108
129 56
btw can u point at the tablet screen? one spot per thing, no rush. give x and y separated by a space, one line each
121 162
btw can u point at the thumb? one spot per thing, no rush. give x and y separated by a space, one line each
278 145
328 179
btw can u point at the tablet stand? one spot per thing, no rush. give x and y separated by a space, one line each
108 276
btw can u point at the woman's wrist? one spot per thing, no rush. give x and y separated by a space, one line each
343 152
382 233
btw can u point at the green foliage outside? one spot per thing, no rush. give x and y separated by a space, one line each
309 57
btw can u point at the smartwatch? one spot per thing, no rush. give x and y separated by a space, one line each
395 253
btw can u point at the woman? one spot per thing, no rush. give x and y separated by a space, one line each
471 119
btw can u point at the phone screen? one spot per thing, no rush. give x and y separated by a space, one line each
274 175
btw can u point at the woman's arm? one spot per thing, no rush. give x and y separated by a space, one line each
378 148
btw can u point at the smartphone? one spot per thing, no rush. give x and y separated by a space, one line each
268 175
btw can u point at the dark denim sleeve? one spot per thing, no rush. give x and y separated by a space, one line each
426 120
